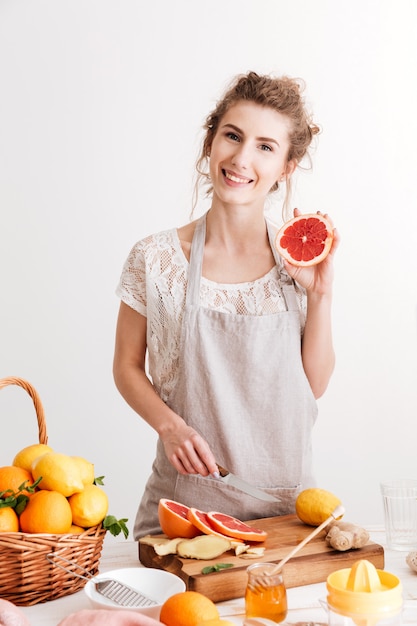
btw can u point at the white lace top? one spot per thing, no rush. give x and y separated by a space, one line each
153 283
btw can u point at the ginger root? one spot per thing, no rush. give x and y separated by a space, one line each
346 536
203 547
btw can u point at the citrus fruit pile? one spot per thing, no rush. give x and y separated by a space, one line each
305 240
44 491
179 520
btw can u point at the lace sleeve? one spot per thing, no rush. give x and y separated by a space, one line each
132 285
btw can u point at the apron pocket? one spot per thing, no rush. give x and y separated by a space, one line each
208 494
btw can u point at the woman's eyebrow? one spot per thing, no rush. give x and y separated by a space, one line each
240 131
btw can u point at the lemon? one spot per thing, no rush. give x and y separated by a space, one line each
89 507
25 457
59 472
313 506
86 469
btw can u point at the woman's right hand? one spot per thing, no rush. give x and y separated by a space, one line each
187 451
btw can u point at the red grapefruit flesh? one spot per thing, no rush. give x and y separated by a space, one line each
173 518
201 521
305 240
233 527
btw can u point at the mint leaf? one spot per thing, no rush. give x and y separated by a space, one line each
215 568
115 526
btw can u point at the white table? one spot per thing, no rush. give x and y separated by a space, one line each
303 602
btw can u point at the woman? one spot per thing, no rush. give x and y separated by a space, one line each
239 341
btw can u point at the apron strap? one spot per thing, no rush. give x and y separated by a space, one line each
196 266
196 263
287 283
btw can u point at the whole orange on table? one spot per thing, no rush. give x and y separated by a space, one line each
188 608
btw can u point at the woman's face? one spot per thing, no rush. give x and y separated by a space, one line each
249 154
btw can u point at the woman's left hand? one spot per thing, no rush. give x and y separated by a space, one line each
316 278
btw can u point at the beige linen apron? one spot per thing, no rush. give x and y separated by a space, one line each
242 386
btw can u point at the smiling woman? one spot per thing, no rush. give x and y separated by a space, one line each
239 341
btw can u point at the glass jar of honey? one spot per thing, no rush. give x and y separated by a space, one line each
265 595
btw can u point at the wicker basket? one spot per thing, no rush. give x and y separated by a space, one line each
27 577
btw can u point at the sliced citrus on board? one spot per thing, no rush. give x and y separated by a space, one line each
233 527
202 522
173 519
305 240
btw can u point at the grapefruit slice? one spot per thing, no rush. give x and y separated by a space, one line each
305 240
233 527
201 521
173 519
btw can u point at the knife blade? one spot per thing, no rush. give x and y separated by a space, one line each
231 479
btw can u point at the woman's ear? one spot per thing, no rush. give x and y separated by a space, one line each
289 169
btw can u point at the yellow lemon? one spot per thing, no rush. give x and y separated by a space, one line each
89 508
86 470
59 472
314 505
25 457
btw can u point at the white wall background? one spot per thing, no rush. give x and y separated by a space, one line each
101 105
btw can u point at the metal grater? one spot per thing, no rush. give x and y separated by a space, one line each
114 590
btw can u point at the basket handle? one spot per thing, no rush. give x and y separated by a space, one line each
12 380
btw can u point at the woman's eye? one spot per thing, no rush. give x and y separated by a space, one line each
266 148
232 136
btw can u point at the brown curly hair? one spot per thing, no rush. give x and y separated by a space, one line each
282 94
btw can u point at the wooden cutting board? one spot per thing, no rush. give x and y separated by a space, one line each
315 561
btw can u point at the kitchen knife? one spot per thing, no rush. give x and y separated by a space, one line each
230 479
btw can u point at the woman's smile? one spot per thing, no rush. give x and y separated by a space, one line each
232 177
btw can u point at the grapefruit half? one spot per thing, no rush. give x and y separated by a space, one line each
233 527
173 519
305 240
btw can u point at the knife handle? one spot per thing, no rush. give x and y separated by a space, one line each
222 471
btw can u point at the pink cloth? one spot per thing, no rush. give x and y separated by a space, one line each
11 615
108 617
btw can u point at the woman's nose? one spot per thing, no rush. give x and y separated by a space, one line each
241 156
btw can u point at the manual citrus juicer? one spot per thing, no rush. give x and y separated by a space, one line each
363 596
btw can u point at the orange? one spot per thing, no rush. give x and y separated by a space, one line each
233 527
188 608
89 507
315 505
11 478
76 530
202 522
173 518
25 457
46 512
9 522
305 240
